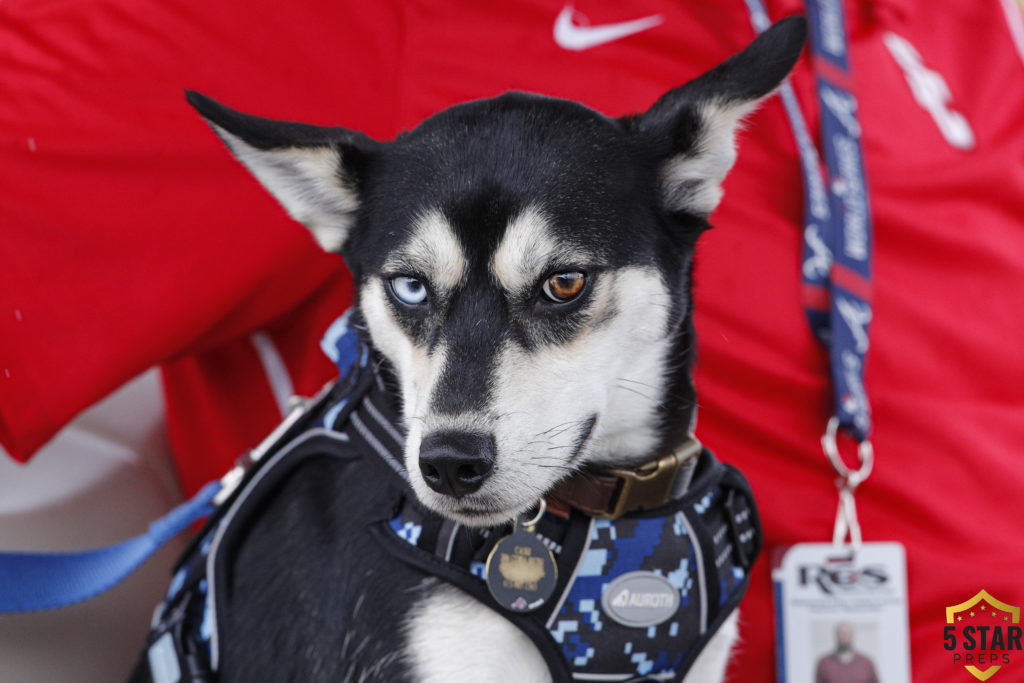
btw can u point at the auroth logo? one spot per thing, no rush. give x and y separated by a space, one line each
931 92
629 598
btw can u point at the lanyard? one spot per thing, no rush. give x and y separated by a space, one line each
837 241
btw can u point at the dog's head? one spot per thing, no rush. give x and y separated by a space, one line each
523 265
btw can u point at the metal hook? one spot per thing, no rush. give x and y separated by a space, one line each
542 507
865 453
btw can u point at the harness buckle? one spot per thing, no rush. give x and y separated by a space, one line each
299 407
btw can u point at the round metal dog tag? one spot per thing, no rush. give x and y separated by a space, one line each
521 571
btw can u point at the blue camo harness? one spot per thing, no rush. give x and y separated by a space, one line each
702 543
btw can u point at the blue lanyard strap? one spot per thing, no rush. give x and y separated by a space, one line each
837 231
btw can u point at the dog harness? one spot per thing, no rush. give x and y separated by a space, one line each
636 598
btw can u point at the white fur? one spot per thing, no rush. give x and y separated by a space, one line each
307 183
615 371
454 638
693 181
527 249
417 369
491 648
711 662
433 250
542 398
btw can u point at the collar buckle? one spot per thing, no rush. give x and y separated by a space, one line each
613 493
649 485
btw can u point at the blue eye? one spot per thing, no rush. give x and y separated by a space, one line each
409 290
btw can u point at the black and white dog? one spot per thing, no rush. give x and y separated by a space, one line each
523 283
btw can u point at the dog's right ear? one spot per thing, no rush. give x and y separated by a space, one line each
314 172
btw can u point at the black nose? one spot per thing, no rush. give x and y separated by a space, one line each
456 463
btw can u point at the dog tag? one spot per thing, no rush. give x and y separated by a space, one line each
842 616
521 571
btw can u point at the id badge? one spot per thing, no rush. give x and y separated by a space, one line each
841 618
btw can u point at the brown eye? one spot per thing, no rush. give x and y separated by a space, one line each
563 287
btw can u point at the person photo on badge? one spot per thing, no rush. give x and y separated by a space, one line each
844 664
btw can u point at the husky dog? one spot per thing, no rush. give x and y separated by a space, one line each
523 270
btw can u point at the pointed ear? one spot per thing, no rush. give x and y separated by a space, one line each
694 126
314 172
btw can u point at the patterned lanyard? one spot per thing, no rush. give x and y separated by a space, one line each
837 241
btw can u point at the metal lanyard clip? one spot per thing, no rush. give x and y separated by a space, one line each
847 482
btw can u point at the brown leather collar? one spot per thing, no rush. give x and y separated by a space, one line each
615 492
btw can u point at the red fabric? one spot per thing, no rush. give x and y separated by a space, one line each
129 237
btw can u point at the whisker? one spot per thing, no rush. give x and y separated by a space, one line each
548 431
638 393
636 381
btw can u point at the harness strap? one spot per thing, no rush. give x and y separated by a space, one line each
714 525
418 551
186 627
708 538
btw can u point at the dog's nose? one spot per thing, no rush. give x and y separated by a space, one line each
456 463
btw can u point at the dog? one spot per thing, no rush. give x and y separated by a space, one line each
523 271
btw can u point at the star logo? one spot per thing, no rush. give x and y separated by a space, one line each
982 633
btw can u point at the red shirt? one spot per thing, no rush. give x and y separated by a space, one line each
128 237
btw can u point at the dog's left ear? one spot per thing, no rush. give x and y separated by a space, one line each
314 172
695 125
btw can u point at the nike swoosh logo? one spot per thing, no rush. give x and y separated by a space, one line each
571 36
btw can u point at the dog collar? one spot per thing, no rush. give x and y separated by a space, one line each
613 493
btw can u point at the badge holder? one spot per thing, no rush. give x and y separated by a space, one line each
841 607
521 571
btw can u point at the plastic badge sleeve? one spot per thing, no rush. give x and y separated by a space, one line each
841 616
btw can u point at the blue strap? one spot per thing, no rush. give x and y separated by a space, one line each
837 250
341 344
47 580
